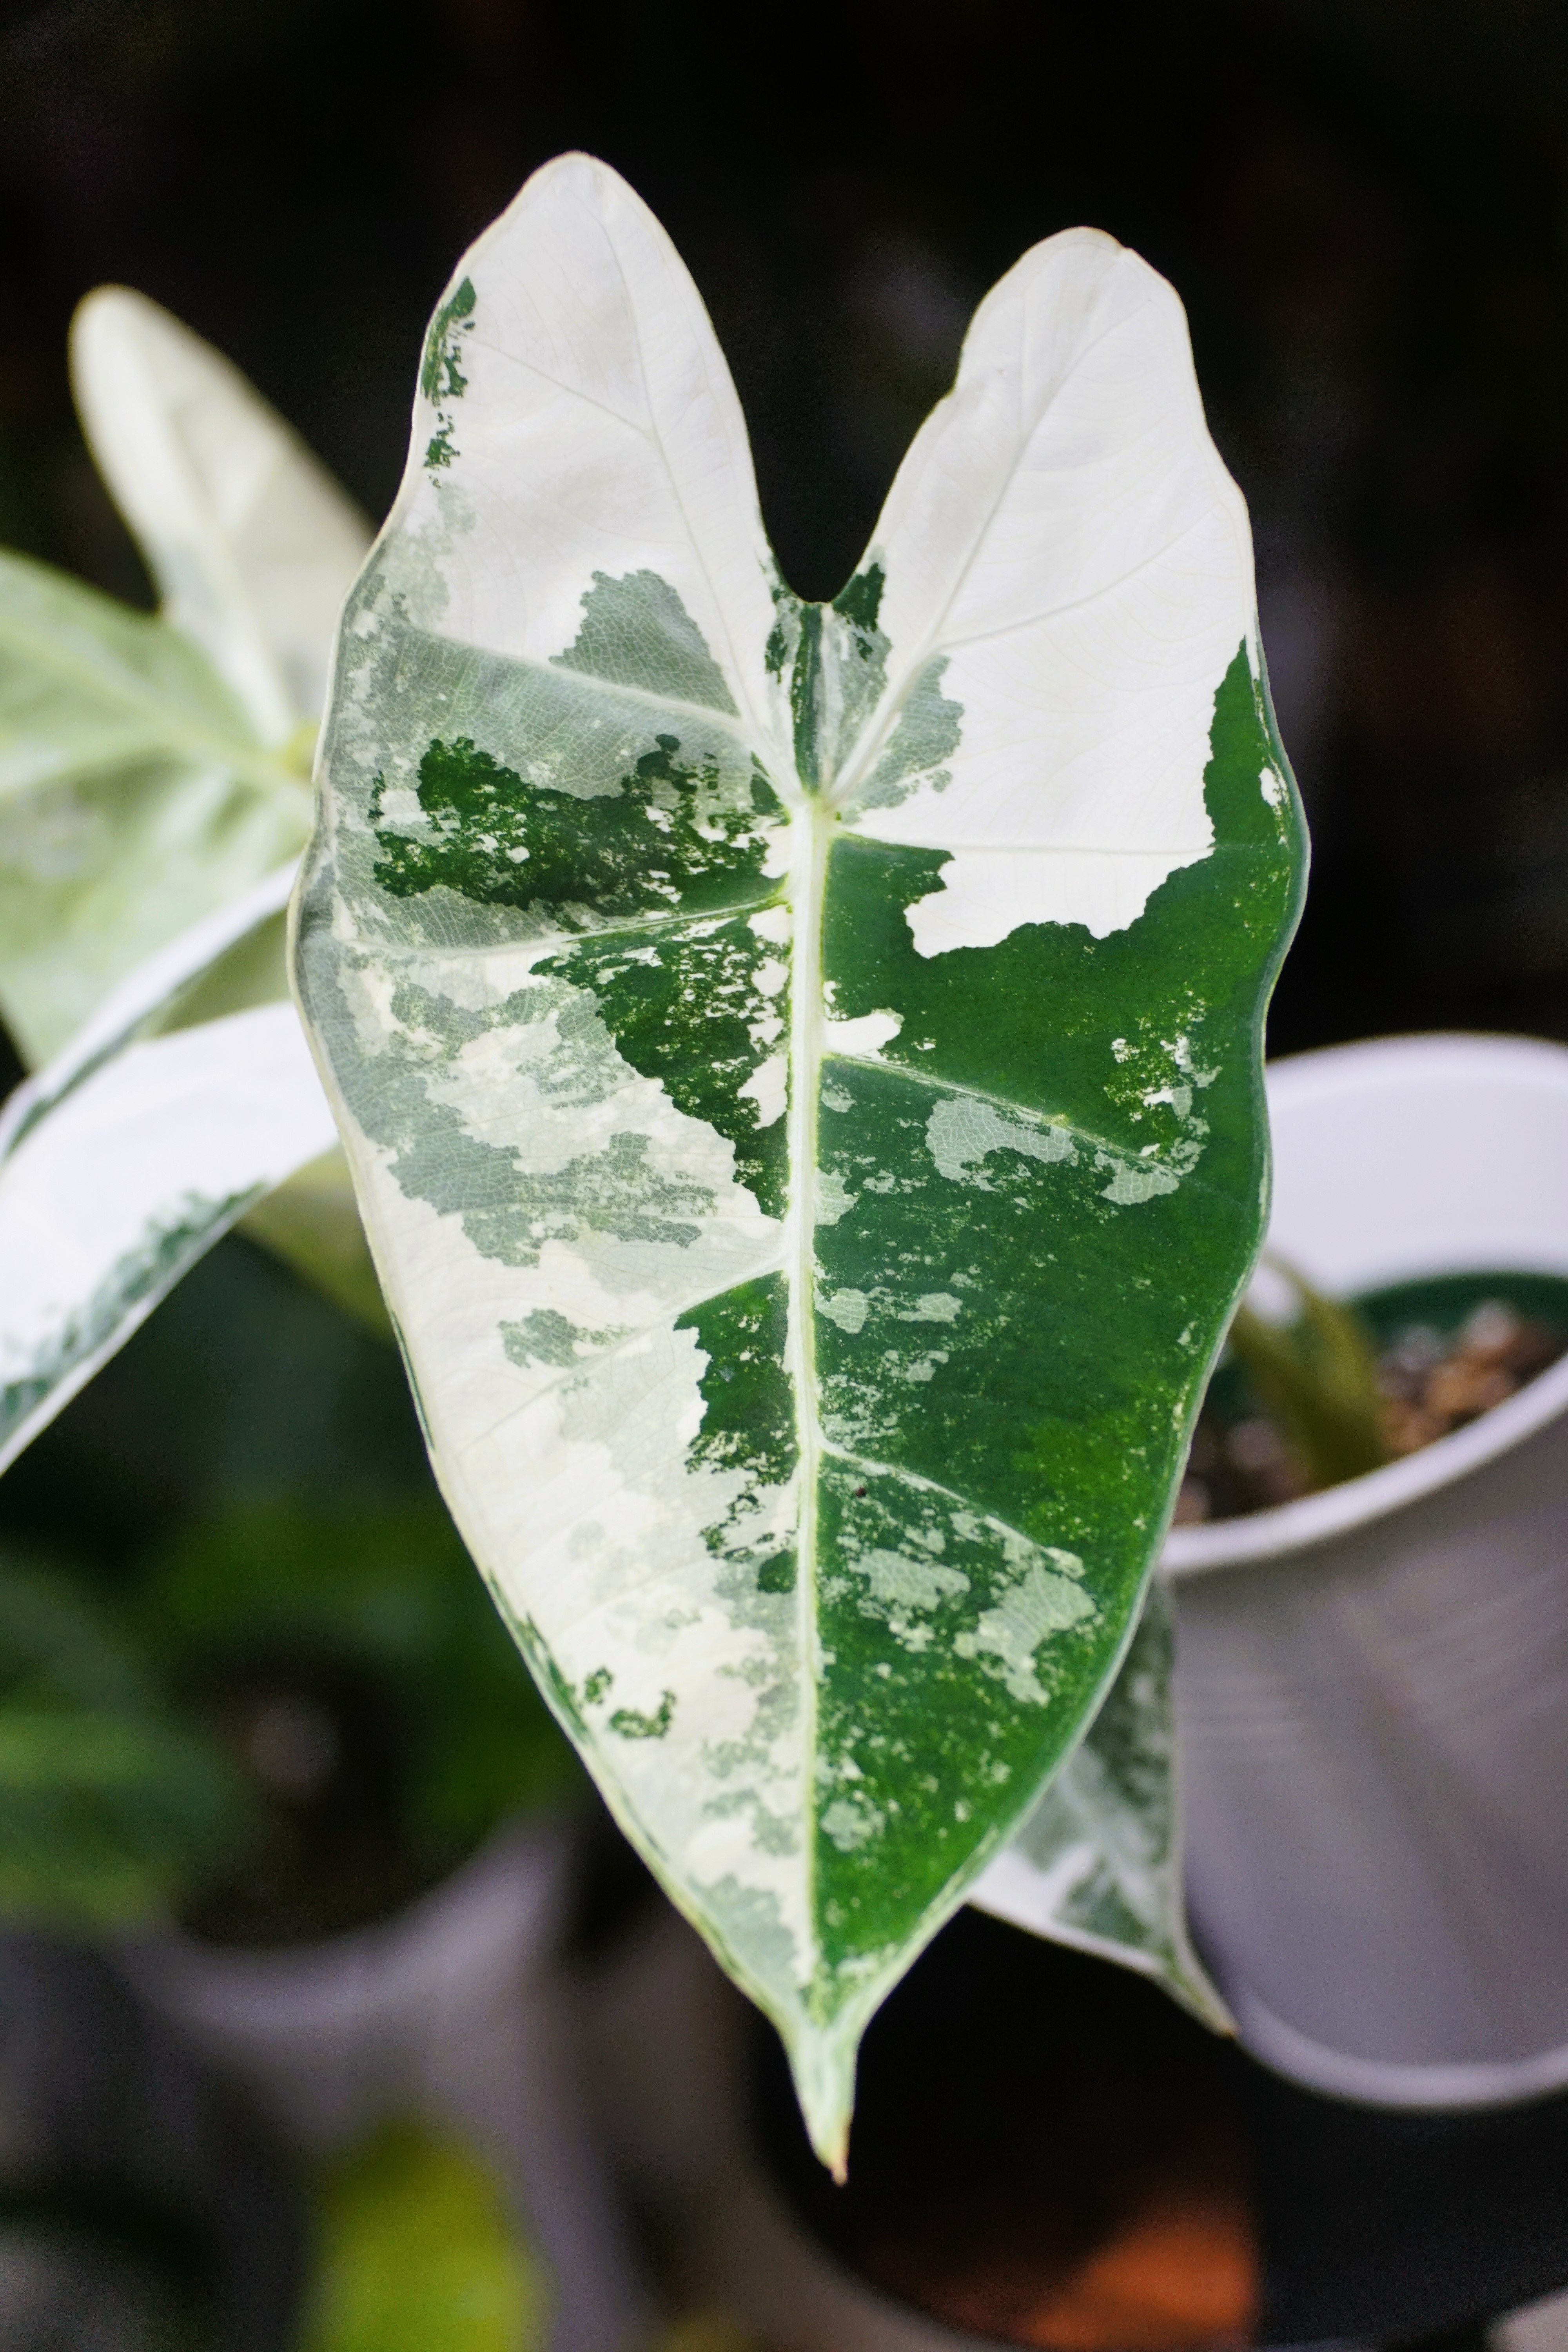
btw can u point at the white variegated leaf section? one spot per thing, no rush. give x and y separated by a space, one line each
1098 1863
135 798
152 771
614 446
128 1157
249 540
1069 561
614 443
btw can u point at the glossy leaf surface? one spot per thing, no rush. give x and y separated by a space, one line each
801 1063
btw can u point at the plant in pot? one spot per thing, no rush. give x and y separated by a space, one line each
800 1068
1369 1669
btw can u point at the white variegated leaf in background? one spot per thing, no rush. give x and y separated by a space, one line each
800 1063
252 543
153 769
124 1160
135 797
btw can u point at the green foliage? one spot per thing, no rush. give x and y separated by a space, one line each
415 2254
110 1806
1318 1377
666 839
389 1585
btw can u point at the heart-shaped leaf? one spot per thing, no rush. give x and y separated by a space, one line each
801 1063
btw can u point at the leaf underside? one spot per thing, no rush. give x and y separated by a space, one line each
800 1063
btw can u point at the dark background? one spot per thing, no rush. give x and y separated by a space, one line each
1363 203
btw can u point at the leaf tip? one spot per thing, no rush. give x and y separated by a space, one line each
822 2062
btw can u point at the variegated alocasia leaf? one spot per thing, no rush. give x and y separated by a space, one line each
1098 1863
178 1106
251 542
135 798
801 1063
152 771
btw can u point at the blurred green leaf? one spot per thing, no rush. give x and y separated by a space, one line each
416 2256
392 1587
1317 1377
109 1806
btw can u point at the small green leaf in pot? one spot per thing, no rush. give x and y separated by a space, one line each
1318 1377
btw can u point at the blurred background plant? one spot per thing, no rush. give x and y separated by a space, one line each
250 1671
417 2251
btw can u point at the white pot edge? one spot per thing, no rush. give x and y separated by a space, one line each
1379 2083
494 1910
1316 1519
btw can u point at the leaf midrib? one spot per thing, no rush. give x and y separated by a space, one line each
811 824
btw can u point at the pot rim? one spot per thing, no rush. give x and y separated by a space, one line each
1454 2085
1314 1521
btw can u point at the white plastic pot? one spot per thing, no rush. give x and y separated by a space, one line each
1372 1682
454 2009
